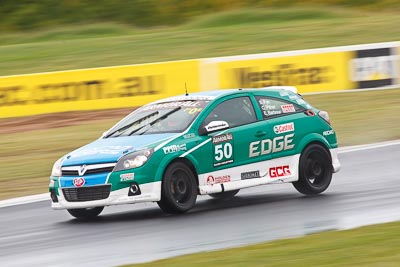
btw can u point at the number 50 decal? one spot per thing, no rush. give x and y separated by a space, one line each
223 149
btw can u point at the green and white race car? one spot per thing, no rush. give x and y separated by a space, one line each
210 143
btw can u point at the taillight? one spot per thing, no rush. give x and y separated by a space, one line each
325 116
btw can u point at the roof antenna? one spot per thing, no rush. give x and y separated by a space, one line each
186 93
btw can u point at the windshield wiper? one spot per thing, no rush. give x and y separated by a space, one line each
157 120
122 129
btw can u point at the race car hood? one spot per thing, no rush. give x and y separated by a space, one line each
106 150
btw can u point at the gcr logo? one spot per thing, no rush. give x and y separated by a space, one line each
78 182
279 171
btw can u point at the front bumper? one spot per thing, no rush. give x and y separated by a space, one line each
150 192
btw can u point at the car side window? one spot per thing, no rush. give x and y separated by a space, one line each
272 107
237 111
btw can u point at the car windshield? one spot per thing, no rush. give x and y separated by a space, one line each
168 117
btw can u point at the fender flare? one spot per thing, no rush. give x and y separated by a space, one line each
166 161
312 138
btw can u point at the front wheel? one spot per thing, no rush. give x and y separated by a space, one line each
178 190
88 213
224 195
315 170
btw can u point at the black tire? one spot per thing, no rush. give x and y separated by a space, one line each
88 213
178 189
224 195
315 170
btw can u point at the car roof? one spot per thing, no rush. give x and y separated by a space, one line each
213 94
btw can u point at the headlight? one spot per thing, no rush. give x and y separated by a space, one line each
56 171
133 160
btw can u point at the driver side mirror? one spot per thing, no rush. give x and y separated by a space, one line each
213 126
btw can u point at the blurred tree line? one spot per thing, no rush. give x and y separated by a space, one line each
20 15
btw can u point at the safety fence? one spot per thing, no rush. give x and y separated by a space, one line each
313 70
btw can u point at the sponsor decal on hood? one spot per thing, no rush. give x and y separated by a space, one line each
107 150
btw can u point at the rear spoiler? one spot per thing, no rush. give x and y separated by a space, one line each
288 88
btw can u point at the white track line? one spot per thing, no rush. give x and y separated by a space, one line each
46 196
24 200
349 149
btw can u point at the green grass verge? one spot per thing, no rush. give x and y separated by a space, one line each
26 158
362 117
222 34
370 246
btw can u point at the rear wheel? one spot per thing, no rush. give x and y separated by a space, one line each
225 195
178 190
315 170
88 213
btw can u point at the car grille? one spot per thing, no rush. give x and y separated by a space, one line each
89 193
90 171
87 169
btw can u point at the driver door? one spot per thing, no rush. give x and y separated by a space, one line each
226 150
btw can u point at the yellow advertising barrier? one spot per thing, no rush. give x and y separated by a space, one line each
93 89
308 72
311 71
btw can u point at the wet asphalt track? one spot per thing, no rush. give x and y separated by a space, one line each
365 191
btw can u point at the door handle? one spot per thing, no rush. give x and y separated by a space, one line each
260 134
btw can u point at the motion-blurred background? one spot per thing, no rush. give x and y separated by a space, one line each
47 36
45 115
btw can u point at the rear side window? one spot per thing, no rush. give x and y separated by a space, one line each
273 107
236 111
